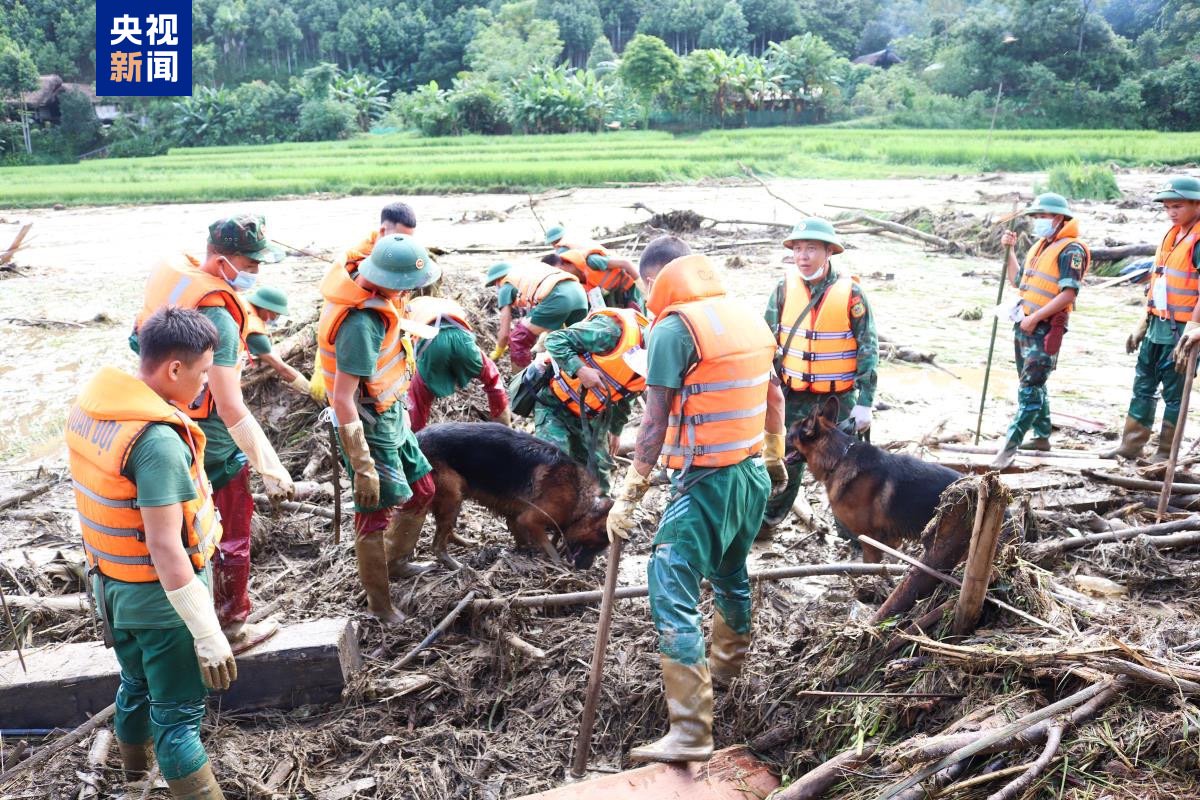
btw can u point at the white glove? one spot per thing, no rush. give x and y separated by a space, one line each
862 417
627 497
194 605
249 437
299 384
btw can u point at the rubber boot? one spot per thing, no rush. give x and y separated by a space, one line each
135 759
689 708
1006 455
727 652
371 553
1040 443
244 636
200 785
1133 440
402 534
1166 436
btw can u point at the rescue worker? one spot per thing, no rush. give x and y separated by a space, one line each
449 361
709 397
552 298
826 334
267 305
367 360
137 463
607 280
1049 283
598 364
236 247
1172 316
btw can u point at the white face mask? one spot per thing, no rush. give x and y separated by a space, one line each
241 281
1042 227
816 276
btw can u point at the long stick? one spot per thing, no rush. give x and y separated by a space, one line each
337 484
1180 421
438 630
48 751
987 373
583 742
12 626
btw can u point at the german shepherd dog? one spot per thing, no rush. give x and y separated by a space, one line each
538 489
871 491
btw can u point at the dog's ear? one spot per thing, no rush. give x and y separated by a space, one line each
830 409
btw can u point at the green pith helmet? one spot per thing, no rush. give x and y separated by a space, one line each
496 272
555 233
1050 203
1184 187
244 234
399 262
270 298
814 229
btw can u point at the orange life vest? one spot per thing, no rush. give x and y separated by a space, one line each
822 356
392 373
1040 276
606 280
180 282
534 282
1174 264
437 311
718 417
355 255
113 411
620 379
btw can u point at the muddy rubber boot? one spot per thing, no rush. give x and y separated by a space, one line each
135 760
401 536
200 785
243 636
1166 435
371 553
1041 444
1133 440
1006 455
727 652
689 708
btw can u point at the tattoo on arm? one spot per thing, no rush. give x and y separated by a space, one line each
653 431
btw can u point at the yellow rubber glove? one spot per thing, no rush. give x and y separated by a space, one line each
499 352
627 497
773 449
366 478
316 386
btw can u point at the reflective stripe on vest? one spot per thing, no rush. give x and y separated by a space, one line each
619 378
106 501
606 280
534 282
718 417
389 381
1041 273
823 354
1174 264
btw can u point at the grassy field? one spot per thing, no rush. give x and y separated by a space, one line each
404 162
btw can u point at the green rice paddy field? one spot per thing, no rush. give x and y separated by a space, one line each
405 162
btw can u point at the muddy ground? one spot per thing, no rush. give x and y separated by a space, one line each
466 731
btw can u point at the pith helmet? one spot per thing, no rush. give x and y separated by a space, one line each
1050 203
496 272
1183 187
399 262
814 229
555 233
270 298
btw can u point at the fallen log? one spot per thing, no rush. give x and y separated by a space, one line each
77 602
967 448
1182 489
1122 251
261 501
813 784
627 592
903 230
1042 550
26 494
991 503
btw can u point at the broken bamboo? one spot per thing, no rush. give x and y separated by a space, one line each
1139 483
1042 550
1017 788
436 633
813 784
993 499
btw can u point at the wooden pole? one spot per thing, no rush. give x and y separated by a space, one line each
12 626
583 742
987 372
989 518
1169 478
337 483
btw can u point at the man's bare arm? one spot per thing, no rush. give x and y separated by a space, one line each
653 431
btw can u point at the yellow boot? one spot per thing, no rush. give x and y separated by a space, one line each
1133 440
689 708
200 785
402 534
135 759
371 553
727 652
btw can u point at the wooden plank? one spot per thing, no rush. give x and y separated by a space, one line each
731 774
16 244
1040 481
305 663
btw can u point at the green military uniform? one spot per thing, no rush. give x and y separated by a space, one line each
1156 367
798 405
448 361
615 298
707 528
565 305
398 459
259 344
1034 364
161 695
222 458
555 423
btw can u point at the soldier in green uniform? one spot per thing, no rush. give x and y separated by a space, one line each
1049 283
269 304
815 311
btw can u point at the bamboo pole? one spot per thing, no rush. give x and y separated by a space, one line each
1180 422
987 372
989 518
